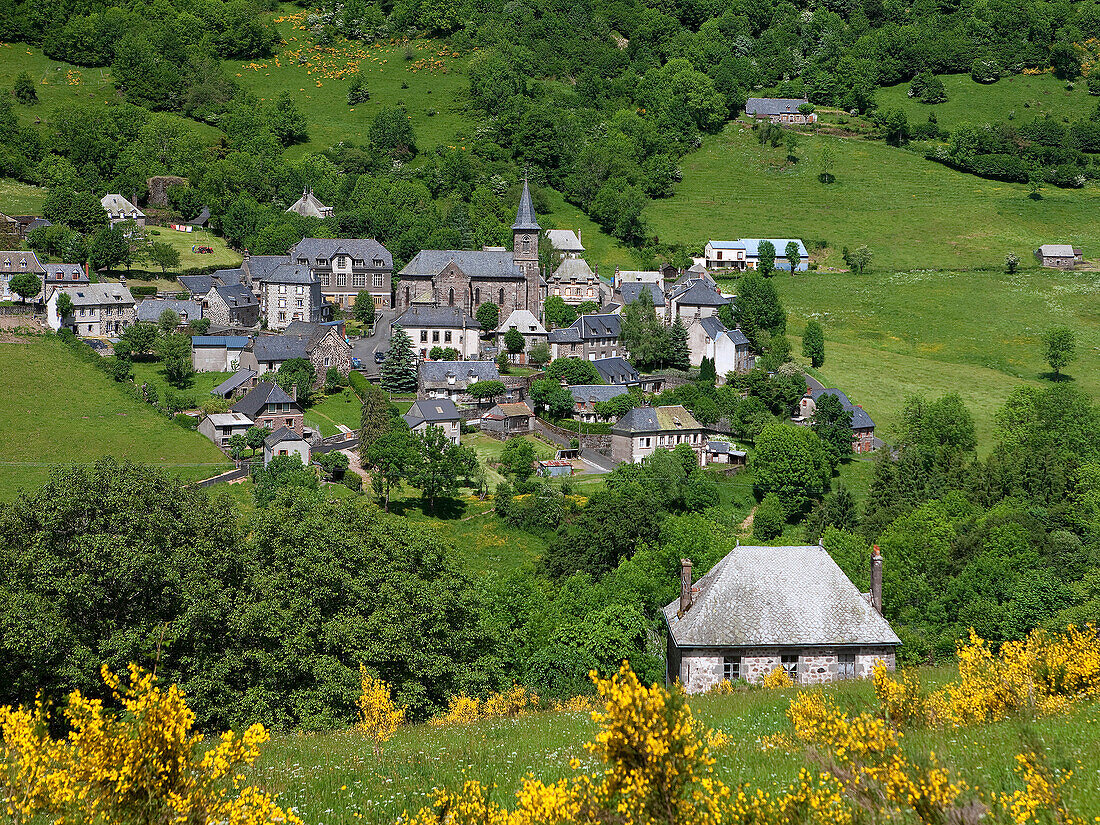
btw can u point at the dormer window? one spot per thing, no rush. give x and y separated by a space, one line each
379 263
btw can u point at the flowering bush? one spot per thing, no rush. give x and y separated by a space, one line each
379 717
142 765
778 678
462 709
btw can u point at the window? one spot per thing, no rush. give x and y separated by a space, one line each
359 279
379 263
451 298
282 302
299 303
526 244
406 295
501 297
282 316
282 289
790 666
447 337
328 361
731 668
846 666
341 280
324 279
435 336
423 336
290 422
298 289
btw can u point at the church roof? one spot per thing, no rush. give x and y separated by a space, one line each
485 263
525 217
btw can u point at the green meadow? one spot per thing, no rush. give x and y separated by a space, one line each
20 198
66 411
911 212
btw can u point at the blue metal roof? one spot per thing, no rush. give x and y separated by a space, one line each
227 341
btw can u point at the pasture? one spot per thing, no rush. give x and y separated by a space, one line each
18 198
912 213
67 411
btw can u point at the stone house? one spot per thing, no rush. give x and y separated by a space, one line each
587 396
255 269
693 299
644 430
782 110
289 293
617 371
199 286
733 353
119 209
286 442
268 405
451 379
220 427
441 326
465 279
323 345
99 310
762 608
1059 256
232 306
435 412
575 283
217 353
509 418
524 322
150 310
630 291
641 276
702 333
13 262
346 266
242 378
309 207
59 275
589 337
566 241
863 426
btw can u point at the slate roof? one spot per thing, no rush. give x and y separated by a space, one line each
271 348
737 336
234 382
767 106
599 326
227 341
152 308
437 372
259 267
237 295
1056 250
266 392
309 207
63 273
228 277
229 419
573 270
289 274
524 321
15 256
699 294
491 263
564 240
777 596
510 409
363 249
632 291
860 418
196 284
712 326
656 419
641 276
97 294
37 223
594 393
418 316
431 410
616 370
565 335
693 276
116 204
203 217
280 435
525 215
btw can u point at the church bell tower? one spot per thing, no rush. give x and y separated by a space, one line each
525 246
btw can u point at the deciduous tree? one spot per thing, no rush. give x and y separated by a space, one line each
364 309
1059 348
813 344
765 258
488 315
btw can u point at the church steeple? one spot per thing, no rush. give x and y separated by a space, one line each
525 215
525 244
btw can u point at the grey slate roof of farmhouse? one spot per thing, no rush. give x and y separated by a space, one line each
699 294
773 105
656 419
693 275
228 276
565 335
573 270
196 284
594 393
363 249
631 292
269 348
437 372
63 273
263 393
428 316
152 308
712 326
236 380
259 267
236 295
777 596
524 321
280 435
118 205
1056 250
616 370
564 240
860 418
309 207
737 336
525 215
289 274
202 218
491 263
226 341
599 326
96 294
431 410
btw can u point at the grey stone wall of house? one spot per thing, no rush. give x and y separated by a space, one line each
216 310
702 670
622 448
335 352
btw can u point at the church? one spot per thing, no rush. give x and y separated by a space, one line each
469 278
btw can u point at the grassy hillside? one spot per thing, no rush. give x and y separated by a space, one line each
20 198
336 778
60 410
975 333
910 211
1026 97
600 248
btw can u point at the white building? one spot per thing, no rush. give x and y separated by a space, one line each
433 326
119 209
99 310
566 241
286 442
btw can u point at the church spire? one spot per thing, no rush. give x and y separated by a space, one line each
525 215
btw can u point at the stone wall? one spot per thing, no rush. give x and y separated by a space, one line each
598 443
702 670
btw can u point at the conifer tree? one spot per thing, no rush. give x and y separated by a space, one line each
399 368
679 355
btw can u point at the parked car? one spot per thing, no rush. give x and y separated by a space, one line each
356 364
380 356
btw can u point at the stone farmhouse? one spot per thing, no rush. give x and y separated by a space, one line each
59 275
284 442
575 283
441 326
863 426
452 379
762 608
630 291
220 427
435 412
728 348
217 353
644 430
231 306
696 298
1059 256
532 330
466 279
289 293
323 345
346 266
781 110
99 310
589 337
268 405
150 310
199 286
13 262
724 255
587 396
309 207
119 209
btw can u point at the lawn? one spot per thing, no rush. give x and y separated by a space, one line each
912 213
61 410
601 250
422 75
20 198
223 257
336 779
198 388
975 333
330 411
1025 97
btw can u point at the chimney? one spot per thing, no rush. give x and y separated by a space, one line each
876 580
685 585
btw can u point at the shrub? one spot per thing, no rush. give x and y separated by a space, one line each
1094 84
985 70
188 422
354 482
767 522
379 717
